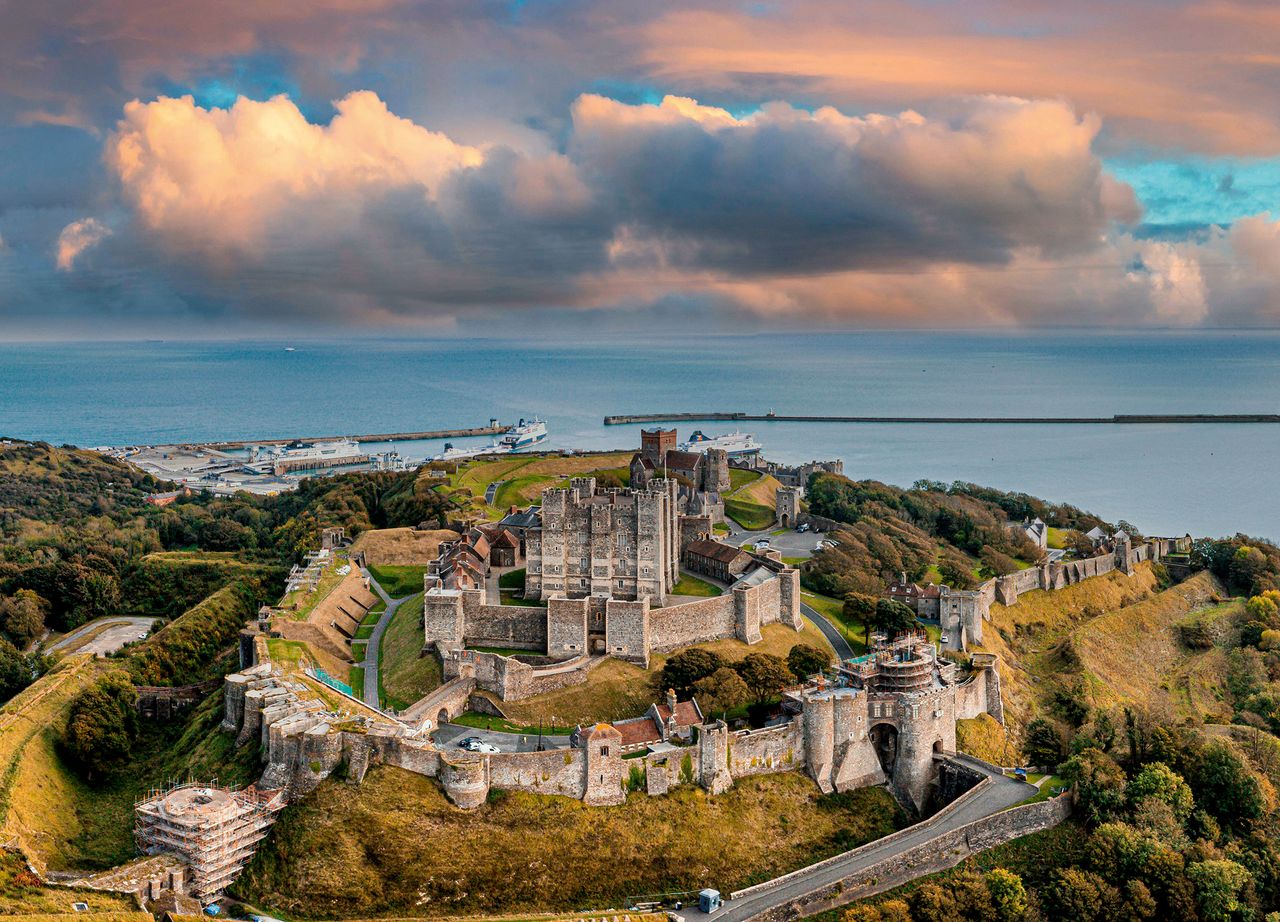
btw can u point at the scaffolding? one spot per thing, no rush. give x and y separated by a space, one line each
214 830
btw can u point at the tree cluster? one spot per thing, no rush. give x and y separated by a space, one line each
721 686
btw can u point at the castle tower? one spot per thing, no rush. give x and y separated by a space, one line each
715 471
655 443
603 767
713 757
788 502
465 778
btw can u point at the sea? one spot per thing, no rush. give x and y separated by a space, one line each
1166 479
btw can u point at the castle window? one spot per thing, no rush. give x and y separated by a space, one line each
604 751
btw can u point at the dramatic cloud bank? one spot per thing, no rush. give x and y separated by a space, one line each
371 163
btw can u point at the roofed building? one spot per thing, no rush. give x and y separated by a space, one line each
716 559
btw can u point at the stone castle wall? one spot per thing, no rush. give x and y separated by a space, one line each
694 622
773 749
945 851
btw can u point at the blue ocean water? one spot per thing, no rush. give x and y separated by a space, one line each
1166 479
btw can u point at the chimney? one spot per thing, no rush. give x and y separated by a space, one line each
671 700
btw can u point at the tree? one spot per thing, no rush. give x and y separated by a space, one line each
22 616
1100 784
1007 893
1218 884
1043 745
997 562
765 674
686 667
1161 782
1228 787
721 691
860 608
1074 895
956 572
16 671
102 724
804 660
894 617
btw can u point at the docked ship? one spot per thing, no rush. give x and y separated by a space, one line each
305 456
736 444
524 433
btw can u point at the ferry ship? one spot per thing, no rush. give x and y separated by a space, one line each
306 455
524 433
736 444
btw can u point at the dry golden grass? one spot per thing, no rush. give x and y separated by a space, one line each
401 546
1024 633
34 791
1131 654
762 490
395 846
983 737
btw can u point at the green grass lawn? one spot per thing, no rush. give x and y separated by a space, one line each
1057 537
358 649
399 580
739 478
523 490
404 675
356 680
512 579
751 516
502 725
720 528
373 614
794 561
691 585
1047 789
833 609
510 598
364 632
288 654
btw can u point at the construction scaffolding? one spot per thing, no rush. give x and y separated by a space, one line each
214 830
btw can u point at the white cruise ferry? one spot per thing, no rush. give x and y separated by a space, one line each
524 433
735 443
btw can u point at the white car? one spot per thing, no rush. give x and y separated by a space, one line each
802 527
762 544
944 639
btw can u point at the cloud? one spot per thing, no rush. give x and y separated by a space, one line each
787 190
77 237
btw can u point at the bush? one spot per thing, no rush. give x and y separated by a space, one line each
102 725
804 660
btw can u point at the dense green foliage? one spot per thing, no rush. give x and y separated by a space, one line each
102 725
182 652
888 531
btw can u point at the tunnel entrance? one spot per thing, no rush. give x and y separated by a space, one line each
884 737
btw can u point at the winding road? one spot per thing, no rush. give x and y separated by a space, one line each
370 663
843 650
112 634
1000 794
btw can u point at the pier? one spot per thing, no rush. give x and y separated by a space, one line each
1117 419
494 428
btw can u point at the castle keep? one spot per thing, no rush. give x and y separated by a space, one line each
621 544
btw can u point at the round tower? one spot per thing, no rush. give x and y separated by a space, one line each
819 736
465 778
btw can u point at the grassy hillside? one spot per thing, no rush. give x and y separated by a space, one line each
523 477
64 822
405 675
1108 642
183 651
401 848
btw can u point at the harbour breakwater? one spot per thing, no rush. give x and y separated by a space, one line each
1122 419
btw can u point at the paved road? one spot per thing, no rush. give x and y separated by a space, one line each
447 736
790 543
1000 794
375 641
122 630
829 630
492 490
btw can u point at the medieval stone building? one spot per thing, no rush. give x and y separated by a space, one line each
620 544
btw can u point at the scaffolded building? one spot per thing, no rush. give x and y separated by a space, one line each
214 830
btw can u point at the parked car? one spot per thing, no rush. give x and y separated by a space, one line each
469 743
802 527
762 544
944 639
485 747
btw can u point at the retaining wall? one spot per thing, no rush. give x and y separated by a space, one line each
945 851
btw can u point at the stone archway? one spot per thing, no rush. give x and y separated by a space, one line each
785 520
442 718
884 737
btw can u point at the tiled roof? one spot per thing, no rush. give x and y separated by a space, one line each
714 550
637 731
683 460
687 713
